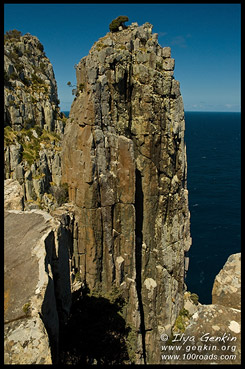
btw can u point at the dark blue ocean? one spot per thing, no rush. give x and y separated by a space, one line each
213 142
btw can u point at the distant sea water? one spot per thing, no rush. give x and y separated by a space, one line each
66 113
213 143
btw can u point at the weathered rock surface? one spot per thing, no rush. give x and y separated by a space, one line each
124 160
30 96
227 285
13 195
211 334
37 291
33 123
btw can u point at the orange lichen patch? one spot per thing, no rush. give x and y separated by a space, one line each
6 300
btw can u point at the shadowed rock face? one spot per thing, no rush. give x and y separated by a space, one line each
124 160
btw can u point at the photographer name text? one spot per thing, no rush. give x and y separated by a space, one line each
204 338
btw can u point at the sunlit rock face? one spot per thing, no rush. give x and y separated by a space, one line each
33 123
124 159
227 285
37 287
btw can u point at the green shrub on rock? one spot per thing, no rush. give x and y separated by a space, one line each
26 308
12 34
36 79
194 297
116 23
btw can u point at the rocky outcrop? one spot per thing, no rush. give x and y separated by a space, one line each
213 336
227 285
33 123
210 334
37 288
124 160
37 246
30 87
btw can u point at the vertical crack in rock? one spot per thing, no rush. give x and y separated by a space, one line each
139 212
128 99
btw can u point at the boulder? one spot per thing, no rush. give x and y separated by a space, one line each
227 285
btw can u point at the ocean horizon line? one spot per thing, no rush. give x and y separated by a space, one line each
191 111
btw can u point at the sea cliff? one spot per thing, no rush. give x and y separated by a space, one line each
104 261
33 123
124 160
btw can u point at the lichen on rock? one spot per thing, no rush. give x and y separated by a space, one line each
33 123
212 332
227 285
124 160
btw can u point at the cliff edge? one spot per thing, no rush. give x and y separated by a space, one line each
37 285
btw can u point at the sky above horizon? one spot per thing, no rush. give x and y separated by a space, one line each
205 41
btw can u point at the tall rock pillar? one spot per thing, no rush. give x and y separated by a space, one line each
124 160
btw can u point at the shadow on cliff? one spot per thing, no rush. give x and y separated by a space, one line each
95 332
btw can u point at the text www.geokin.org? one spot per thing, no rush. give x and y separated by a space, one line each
206 352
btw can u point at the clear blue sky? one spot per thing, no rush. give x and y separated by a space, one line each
205 40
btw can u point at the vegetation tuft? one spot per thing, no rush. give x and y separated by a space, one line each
116 23
26 308
194 297
30 143
12 35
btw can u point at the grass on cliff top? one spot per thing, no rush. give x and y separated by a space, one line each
31 140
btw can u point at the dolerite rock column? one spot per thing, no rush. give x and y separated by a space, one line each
124 160
30 88
33 123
